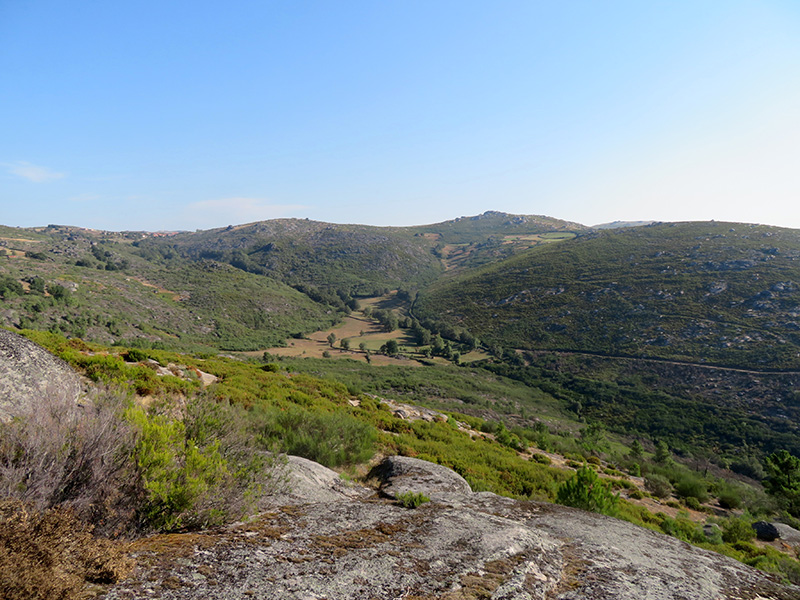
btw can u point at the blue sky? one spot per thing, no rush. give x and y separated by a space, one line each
186 115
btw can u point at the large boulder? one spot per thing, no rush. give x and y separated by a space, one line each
788 534
471 545
302 481
766 532
403 474
28 372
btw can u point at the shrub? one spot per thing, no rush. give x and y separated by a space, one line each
197 470
63 454
737 529
412 499
658 485
693 503
135 355
542 459
585 490
683 529
690 486
331 439
51 555
729 498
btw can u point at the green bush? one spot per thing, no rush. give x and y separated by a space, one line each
737 529
691 486
412 499
658 485
683 529
197 470
693 503
331 439
135 355
542 459
587 491
729 498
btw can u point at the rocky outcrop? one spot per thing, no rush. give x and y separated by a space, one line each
460 546
28 372
766 531
402 474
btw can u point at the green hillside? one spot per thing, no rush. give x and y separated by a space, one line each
354 259
722 293
97 286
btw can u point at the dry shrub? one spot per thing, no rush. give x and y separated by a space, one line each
52 555
73 456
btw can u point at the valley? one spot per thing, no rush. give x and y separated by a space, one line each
665 357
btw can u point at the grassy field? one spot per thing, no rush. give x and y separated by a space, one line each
359 329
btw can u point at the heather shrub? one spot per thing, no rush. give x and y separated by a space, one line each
737 529
74 456
542 459
658 485
199 468
51 554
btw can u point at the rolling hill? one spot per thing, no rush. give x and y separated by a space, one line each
722 293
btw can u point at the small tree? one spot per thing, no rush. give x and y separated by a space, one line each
331 339
783 480
345 344
636 451
390 347
587 491
662 455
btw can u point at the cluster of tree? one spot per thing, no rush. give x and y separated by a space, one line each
339 300
10 287
106 260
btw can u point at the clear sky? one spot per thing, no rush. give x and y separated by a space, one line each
183 115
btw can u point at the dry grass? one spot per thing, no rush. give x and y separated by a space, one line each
52 555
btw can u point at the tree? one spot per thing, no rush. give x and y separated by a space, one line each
636 451
587 491
345 344
783 480
390 347
438 344
331 339
662 455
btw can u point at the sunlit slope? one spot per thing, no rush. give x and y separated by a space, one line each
99 286
725 293
357 258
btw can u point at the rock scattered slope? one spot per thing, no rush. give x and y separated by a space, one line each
460 546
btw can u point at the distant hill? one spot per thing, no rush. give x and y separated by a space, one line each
359 259
235 288
725 293
99 286
498 224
